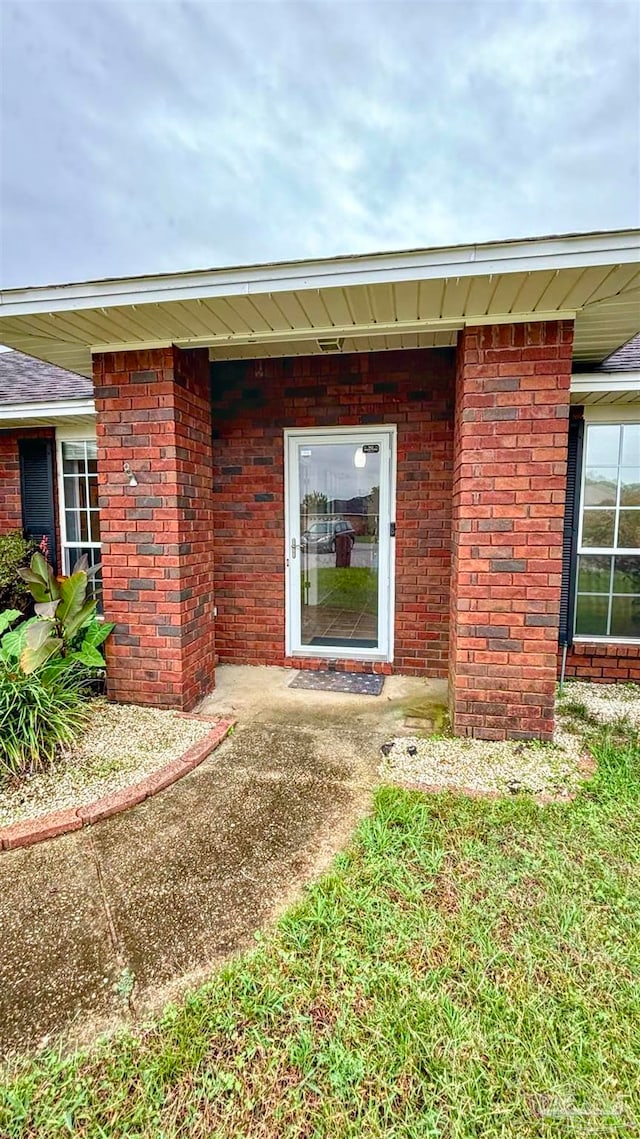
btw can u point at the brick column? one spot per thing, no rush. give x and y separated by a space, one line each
512 405
154 413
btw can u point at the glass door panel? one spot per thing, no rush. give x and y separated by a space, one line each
338 531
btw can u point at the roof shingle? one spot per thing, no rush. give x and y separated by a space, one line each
625 359
25 380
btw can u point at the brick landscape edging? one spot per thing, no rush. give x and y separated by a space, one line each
31 831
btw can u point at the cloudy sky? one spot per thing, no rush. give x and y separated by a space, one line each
154 135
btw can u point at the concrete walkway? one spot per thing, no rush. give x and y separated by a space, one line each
111 922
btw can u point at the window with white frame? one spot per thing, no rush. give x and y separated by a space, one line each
79 511
608 573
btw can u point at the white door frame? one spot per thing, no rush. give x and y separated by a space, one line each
387 434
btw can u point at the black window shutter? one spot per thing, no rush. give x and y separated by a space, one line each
571 523
36 485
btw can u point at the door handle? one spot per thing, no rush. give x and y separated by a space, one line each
293 547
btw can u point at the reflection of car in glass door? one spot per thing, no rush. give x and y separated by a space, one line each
320 537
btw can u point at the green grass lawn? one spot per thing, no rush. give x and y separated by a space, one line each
468 968
353 589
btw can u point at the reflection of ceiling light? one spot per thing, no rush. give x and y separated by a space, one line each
331 345
359 458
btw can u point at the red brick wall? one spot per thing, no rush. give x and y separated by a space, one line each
252 404
10 497
10 508
512 405
602 663
153 412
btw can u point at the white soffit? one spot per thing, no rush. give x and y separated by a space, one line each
390 300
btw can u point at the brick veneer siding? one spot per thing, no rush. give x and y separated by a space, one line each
10 506
603 663
153 412
512 405
10 492
252 404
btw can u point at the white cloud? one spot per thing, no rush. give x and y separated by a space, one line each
145 136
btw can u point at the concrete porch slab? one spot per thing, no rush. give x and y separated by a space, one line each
257 692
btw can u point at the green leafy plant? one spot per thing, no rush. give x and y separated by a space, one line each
15 552
37 714
65 630
46 662
7 618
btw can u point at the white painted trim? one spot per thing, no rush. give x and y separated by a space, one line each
612 413
62 520
582 639
305 334
615 420
296 335
605 382
53 408
393 502
386 557
68 434
615 247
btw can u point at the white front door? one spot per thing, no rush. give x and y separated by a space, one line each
340 507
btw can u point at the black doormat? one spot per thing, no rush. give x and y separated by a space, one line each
360 683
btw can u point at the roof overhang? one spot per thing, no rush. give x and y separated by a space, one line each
605 387
46 413
415 298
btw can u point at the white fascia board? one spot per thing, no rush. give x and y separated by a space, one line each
533 255
53 408
605 381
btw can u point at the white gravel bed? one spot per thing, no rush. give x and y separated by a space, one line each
605 702
511 767
121 744
507 767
